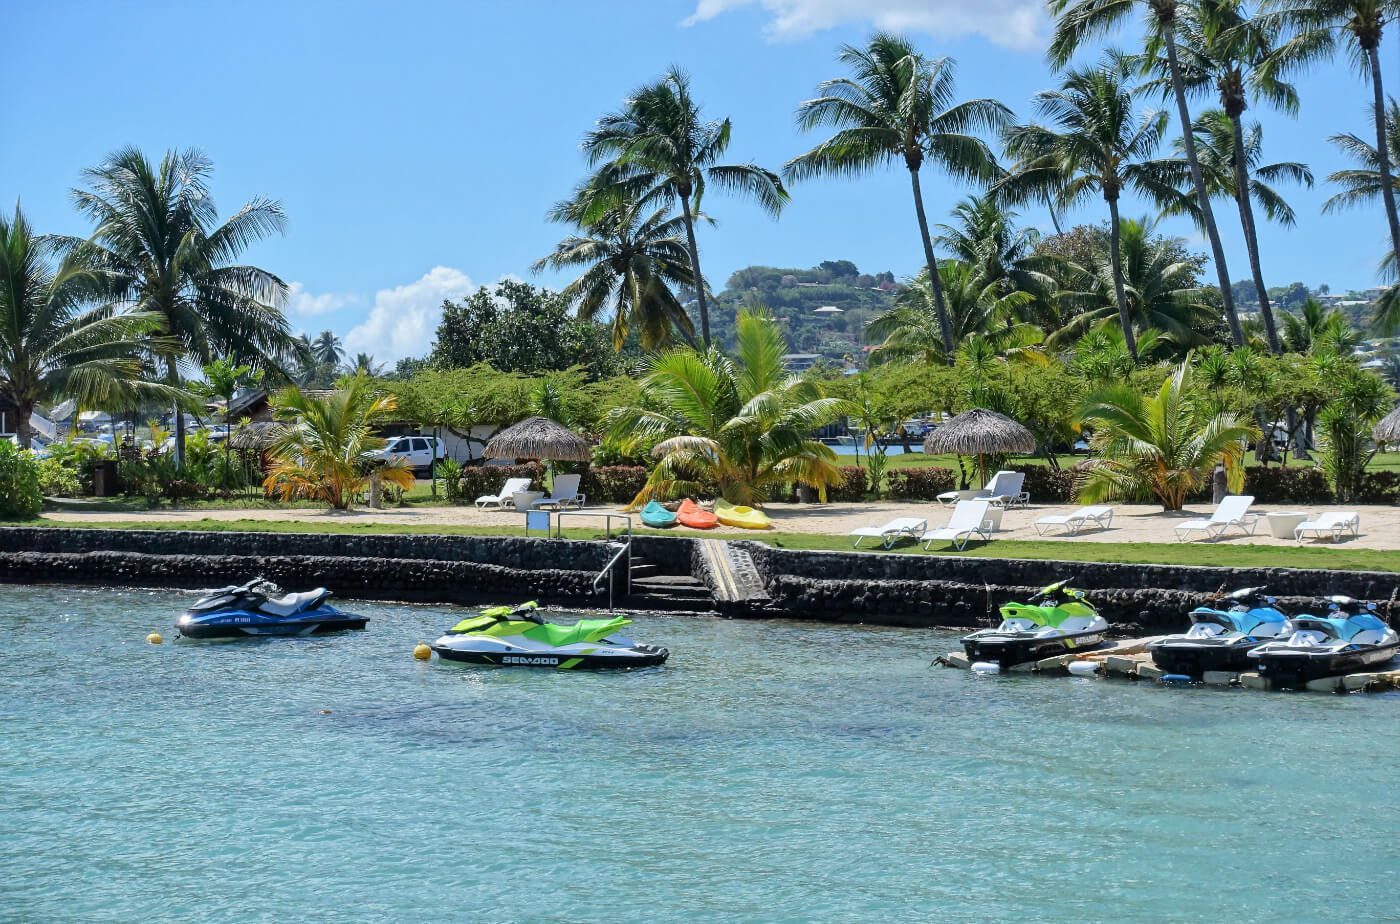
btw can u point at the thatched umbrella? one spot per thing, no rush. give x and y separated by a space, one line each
539 438
979 433
1388 430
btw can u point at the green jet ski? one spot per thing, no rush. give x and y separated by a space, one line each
516 636
1056 620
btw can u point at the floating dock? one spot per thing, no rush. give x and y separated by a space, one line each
1130 658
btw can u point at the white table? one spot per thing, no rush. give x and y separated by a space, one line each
526 500
1283 522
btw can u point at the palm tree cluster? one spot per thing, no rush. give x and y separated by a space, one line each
154 293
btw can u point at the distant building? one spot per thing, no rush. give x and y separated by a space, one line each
800 362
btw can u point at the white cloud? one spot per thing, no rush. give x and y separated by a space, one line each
303 304
1012 23
405 318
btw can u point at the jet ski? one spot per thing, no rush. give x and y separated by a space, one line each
1220 639
516 636
1056 620
252 609
1350 638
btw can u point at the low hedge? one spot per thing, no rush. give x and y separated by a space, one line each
1047 485
1276 485
613 484
1379 488
855 484
480 480
919 484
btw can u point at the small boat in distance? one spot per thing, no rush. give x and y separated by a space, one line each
1221 639
250 609
1350 638
696 517
657 516
516 636
741 517
1056 620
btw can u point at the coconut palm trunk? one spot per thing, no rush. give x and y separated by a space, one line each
695 269
1188 138
172 378
1251 236
1116 246
24 433
944 328
1383 148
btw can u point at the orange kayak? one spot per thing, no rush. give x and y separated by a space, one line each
696 517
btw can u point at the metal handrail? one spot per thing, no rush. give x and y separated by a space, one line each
625 549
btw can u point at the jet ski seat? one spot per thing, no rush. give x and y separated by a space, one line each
294 603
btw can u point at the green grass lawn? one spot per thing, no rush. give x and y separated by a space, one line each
1225 554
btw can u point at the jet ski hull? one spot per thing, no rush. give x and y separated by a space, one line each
640 656
1193 657
243 624
1292 670
1008 649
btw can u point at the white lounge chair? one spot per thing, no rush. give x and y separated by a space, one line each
1004 489
969 519
507 496
1233 511
1330 524
891 532
565 493
1073 523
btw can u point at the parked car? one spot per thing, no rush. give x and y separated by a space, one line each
420 453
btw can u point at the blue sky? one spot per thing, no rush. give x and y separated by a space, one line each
416 146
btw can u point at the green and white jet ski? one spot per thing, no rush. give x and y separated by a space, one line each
1056 620
516 636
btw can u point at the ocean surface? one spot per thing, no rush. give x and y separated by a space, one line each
772 771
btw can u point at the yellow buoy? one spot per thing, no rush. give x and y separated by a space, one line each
422 652
154 638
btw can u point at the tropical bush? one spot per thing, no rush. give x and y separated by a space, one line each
854 485
920 484
1379 488
613 484
449 472
57 479
1048 485
742 423
20 497
1285 485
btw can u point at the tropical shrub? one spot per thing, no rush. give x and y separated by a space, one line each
1345 426
57 479
613 484
1282 485
480 480
1379 488
854 485
1047 485
741 422
449 472
922 484
1163 446
20 497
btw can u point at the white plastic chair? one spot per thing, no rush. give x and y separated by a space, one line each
565 493
1073 523
507 496
892 531
1332 524
969 519
1233 511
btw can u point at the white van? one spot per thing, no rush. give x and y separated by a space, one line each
420 453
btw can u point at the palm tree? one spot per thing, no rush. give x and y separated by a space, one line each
326 349
1080 21
1364 183
1160 291
1101 146
364 364
1316 328
740 425
633 257
911 331
1163 446
898 106
157 237
327 450
1216 133
660 137
1360 24
57 338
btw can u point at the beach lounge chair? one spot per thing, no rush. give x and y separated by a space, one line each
1073 523
1003 489
1332 524
565 493
969 519
507 496
891 532
1233 511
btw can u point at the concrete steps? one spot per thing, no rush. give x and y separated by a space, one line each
655 588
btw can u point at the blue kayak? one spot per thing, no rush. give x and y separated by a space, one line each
657 516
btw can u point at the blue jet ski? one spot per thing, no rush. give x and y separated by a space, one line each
252 609
1350 638
1220 639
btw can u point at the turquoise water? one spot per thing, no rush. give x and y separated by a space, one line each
771 772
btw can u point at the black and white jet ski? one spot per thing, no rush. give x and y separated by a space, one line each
1350 638
516 636
251 609
1220 639
1056 620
